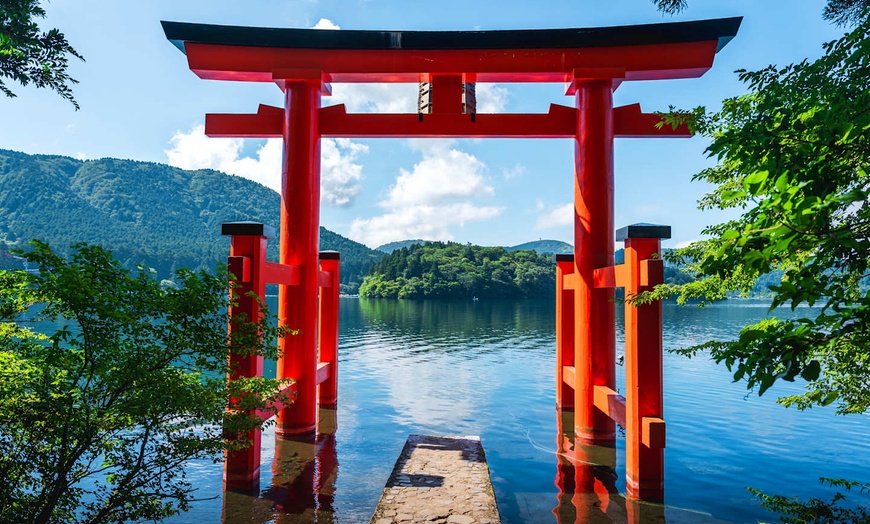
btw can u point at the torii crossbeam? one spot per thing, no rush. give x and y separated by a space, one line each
591 63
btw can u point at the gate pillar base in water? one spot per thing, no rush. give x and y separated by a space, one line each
641 410
250 272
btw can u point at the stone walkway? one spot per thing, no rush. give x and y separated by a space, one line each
443 480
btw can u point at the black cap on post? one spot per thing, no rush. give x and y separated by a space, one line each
643 230
330 255
252 229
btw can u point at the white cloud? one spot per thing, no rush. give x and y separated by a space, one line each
560 216
325 23
340 174
491 98
402 98
375 98
436 179
514 172
429 200
426 222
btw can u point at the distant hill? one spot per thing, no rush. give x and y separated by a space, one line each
545 247
399 244
451 270
145 212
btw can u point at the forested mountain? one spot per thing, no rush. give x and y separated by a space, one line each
399 244
450 270
545 247
146 213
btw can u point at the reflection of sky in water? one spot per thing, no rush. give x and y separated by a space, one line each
487 368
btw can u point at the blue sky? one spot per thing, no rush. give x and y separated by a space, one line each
140 101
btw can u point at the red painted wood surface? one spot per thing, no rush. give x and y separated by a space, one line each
259 64
328 328
558 122
564 334
247 257
299 233
594 320
644 465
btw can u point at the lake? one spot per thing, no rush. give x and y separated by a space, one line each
487 368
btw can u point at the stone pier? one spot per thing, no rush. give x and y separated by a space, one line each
439 480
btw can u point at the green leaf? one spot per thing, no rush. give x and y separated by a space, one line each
811 371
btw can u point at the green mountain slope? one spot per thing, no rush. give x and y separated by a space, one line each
149 213
545 247
399 244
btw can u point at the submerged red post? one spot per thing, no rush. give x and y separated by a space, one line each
328 327
565 370
245 263
594 335
300 241
645 426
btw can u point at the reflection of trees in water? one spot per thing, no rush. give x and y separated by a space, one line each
481 319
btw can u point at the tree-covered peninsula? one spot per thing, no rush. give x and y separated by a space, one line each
450 270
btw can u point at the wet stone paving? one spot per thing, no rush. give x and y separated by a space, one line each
443 480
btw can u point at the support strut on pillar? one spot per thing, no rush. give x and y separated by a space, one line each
327 334
565 369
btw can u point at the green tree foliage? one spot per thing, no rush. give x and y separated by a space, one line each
838 11
146 213
793 156
450 270
818 511
100 414
31 56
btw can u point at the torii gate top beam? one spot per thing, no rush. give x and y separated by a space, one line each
638 52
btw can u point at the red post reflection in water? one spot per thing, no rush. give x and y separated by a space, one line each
586 483
304 472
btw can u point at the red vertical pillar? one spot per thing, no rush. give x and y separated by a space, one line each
564 331
594 326
300 240
246 264
644 406
328 326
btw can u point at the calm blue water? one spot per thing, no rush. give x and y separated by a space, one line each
487 368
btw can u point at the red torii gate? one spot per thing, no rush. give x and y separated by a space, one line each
592 62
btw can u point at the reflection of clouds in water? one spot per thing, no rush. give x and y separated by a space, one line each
431 396
427 388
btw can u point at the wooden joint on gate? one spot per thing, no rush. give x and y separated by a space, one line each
239 268
282 274
324 371
324 278
569 282
610 277
652 272
653 435
610 403
569 376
